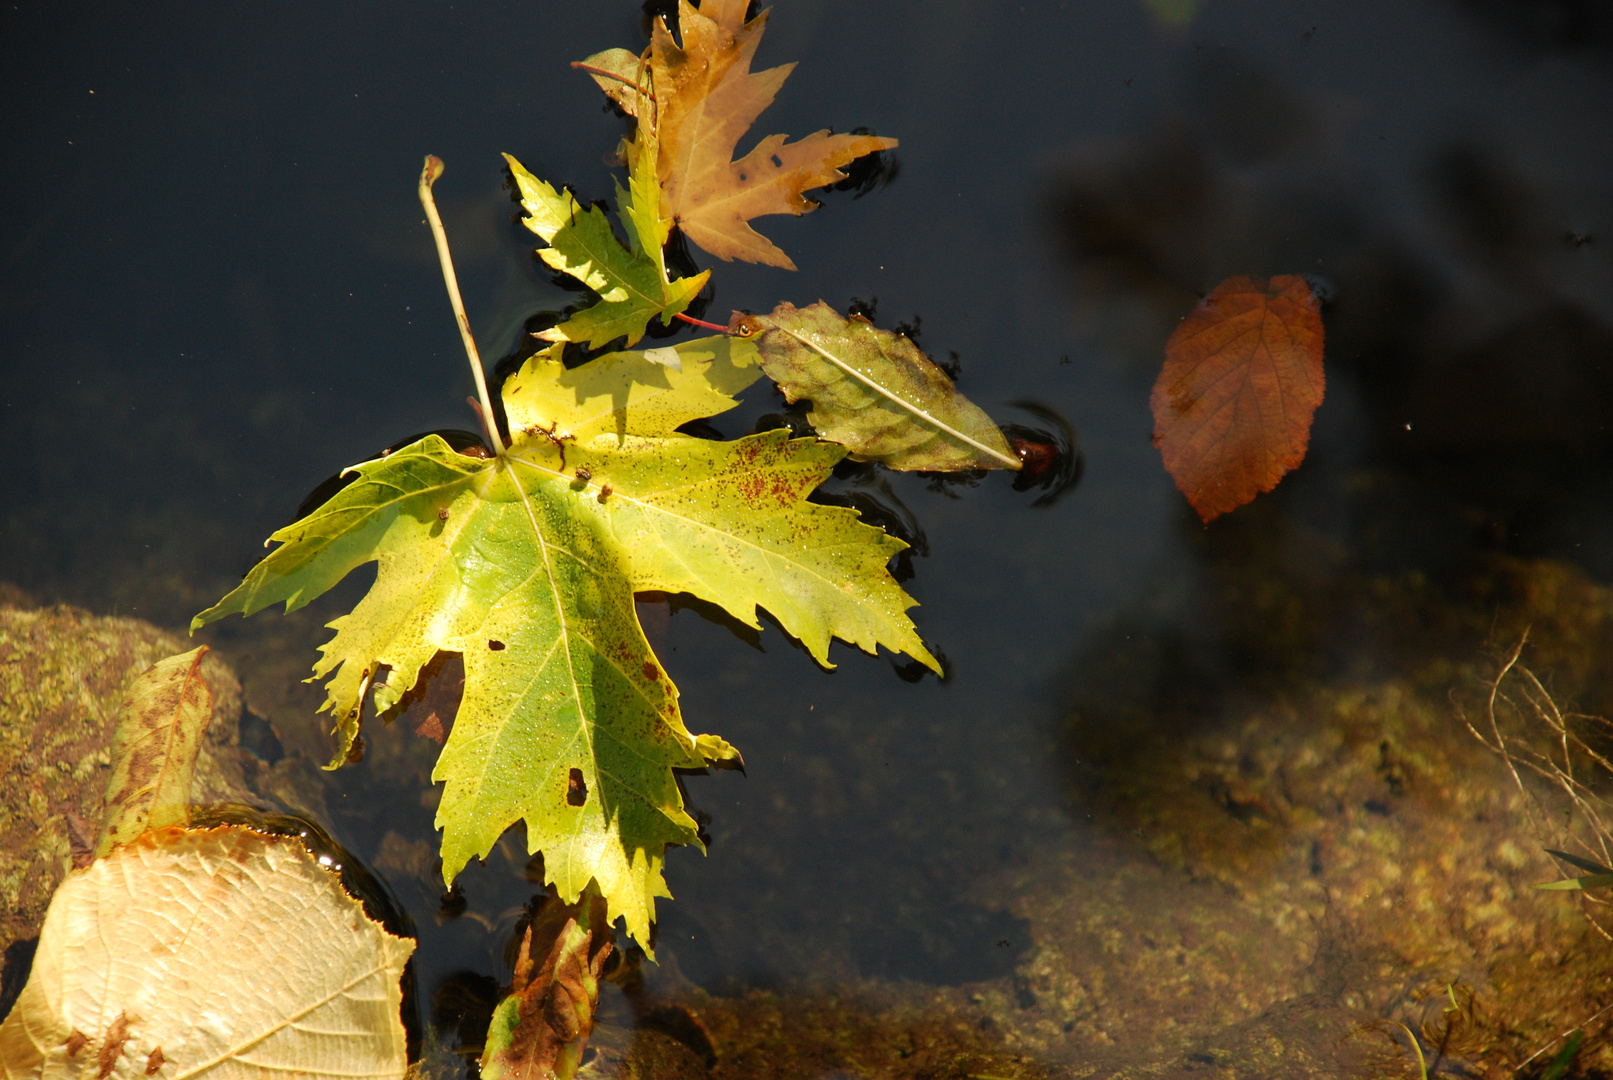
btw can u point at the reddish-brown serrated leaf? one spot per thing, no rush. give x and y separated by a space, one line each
1241 381
707 97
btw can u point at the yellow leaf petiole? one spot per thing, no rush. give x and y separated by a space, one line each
428 176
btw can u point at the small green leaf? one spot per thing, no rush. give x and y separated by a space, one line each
874 392
165 714
631 280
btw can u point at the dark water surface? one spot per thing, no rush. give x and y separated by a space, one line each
216 289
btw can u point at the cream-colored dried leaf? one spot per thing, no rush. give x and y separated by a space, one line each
235 953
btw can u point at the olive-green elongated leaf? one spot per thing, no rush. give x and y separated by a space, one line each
874 392
215 954
1599 876
526 565
166 711
631 281
1589 881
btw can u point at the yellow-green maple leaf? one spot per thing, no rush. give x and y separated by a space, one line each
631 281
526 565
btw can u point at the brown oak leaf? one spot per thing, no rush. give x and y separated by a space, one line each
706 98
1241 382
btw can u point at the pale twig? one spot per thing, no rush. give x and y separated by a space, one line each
428 176
1535 704
1560 1037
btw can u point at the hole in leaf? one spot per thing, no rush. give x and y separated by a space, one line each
496 645
576 789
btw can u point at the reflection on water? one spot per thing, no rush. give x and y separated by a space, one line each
1190 800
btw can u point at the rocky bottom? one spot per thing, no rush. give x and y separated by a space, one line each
1306 876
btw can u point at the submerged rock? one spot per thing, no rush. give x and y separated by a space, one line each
1290 870
63 673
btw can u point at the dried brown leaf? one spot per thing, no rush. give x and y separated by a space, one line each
706 99
1241 381
541 1029
166 711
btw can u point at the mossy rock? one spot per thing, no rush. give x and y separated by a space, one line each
63 673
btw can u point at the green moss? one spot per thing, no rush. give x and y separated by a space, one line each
62 676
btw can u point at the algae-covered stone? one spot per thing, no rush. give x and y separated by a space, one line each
63 673
1287 867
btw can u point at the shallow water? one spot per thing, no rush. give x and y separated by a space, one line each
216 290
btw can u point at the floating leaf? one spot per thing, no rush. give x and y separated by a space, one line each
631 281
216 953
526 565
707 97
874 392
1241 381
165 714
541 1029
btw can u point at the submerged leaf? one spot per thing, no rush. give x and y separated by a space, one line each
631 281
541 1029
166 711
1242 379
1599 875
215 953
526 565
874 392
707 97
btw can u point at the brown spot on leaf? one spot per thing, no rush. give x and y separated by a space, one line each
112 1046
76 1042
651 672
155 1061
496 645
576 788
